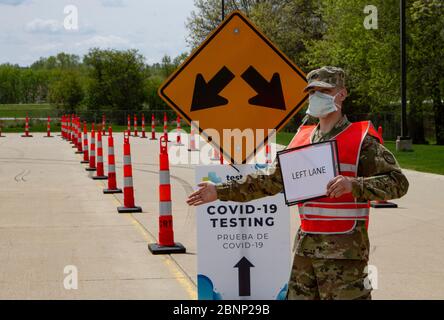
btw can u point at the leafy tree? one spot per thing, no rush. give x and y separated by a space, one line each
67 92
116 80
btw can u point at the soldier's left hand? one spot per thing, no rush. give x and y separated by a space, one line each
338 186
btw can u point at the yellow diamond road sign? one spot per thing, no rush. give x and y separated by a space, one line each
236 79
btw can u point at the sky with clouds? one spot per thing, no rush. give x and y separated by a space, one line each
31 29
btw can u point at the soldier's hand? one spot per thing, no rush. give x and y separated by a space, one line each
338 186
206 193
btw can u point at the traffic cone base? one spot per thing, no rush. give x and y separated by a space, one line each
91 169
26 136
158 249
383 204
129 210
79 152
100 178
108 191
84 162
48 136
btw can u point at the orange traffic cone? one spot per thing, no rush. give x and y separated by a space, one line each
216 154
166 244
79 136
1 136
92 151
112 182
153 127
165 126
192 146
129 124
103 126
27 135
268 153
143 127
382 203
85 144
100 170
178 138
135 126
48 128
128 189
75 133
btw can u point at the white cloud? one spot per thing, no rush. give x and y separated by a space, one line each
12 2
44 26
51 26
113 3
104 42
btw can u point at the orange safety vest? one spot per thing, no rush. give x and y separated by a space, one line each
336 215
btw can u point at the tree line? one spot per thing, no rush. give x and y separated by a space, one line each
314 33
110 81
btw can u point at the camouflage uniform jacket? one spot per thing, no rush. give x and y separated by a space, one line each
379 178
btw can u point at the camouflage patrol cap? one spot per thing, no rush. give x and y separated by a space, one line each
326 77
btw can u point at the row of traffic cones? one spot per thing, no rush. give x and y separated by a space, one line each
72 133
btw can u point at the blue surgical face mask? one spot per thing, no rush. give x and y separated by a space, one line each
321 104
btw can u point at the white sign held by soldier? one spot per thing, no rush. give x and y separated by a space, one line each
307 170
243 248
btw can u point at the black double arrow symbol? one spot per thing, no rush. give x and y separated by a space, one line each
269 94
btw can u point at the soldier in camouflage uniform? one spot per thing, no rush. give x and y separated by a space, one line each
326 266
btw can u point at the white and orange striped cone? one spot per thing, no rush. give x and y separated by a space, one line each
267 153
48 129
112 181
192 145
136 134
129 124
75 133
128 189
165 126
382 203
100 175
166 244
103 126
178 137
153 127
143 127
79 136
85 144
216 154
71 128
61 126
92 151
27 135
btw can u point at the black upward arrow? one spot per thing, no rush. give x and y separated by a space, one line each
270 94
206 95
244 276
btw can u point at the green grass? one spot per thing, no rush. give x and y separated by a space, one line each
425 158
21 110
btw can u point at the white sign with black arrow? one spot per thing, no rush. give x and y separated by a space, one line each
243 249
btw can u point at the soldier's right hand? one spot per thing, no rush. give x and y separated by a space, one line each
206 193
